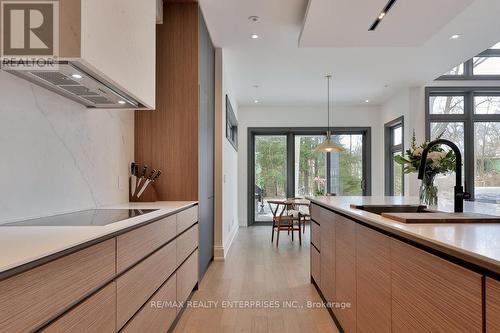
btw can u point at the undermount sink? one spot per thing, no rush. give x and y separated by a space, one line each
379 209
421 215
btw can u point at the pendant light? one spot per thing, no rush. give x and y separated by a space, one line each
328 146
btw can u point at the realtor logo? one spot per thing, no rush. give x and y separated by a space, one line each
30 30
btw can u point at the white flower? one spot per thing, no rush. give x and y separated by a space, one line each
418 151
435 156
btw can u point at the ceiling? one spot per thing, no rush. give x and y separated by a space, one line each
345 23
301 41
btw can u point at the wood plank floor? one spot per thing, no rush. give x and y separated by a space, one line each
256 270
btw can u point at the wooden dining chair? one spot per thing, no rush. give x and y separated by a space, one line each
304 210
282 221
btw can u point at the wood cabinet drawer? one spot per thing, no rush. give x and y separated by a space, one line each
315 235
430 294
373 281
327 260
30 299
315 213
137 244
315 265
96 314
137 285
187 277
186 218
345 271
492 305
186 243
157 314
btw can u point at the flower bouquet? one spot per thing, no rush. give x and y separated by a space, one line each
439 161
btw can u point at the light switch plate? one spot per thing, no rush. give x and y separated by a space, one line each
122 183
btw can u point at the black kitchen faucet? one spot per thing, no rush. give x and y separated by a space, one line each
460 194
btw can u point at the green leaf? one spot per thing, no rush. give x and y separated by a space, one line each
401 160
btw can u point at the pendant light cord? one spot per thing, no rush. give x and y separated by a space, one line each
329 77
328 85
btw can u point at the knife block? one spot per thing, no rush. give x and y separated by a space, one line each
149 195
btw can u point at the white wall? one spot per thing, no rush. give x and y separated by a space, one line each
410 103
306 117
57 156
226 165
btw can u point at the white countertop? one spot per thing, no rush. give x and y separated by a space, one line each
477 243
21 245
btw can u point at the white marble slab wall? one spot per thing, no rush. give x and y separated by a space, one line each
56 155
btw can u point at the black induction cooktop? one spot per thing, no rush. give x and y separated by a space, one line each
85 218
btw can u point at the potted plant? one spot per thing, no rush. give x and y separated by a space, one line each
439 161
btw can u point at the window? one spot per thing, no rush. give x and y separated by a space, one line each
475 130
394 146
484 66
283 163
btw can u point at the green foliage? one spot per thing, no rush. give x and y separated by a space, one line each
439 161
270 167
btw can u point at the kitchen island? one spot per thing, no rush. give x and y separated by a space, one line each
405 277
99 278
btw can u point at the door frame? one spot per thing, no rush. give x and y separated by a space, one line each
290 133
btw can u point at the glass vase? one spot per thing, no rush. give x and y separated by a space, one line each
428 192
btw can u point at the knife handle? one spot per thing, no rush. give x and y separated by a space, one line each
158 174
144 170
151 174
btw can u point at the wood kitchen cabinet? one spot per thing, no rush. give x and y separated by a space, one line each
30 299
178 137
492 305
430 294
95 315
315 255
345 272
373 281
327 250
82 291
156 315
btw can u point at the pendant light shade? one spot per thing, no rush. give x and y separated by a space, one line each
328 146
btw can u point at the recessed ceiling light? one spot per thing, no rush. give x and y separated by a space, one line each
367 101
457 36
253 18
76 76
256 101
254 36
122 102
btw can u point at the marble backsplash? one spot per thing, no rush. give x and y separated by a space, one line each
56 155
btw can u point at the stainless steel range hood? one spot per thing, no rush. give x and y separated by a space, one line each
73 80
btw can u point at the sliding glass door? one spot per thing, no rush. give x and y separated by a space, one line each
283 163
347 173
310 166
270 173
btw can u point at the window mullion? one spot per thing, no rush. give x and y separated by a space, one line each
469 143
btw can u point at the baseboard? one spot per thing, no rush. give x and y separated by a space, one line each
231 238
220 252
